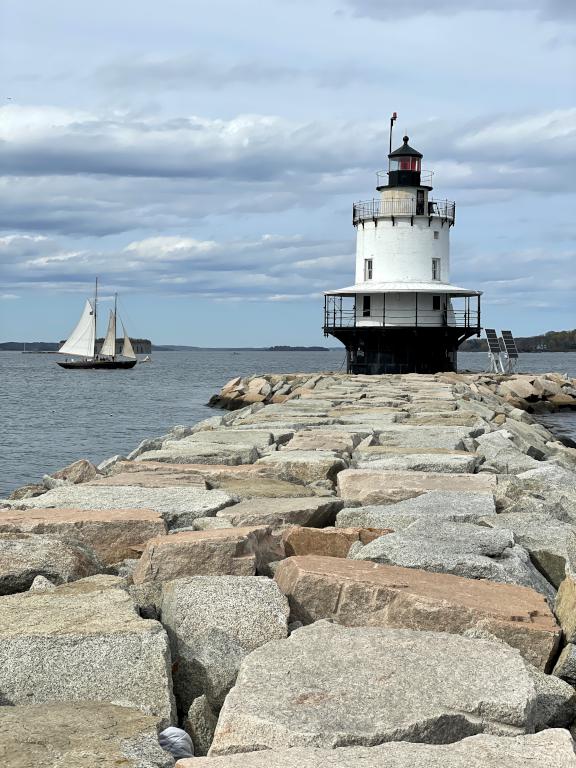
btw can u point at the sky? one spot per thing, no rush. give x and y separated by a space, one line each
202 159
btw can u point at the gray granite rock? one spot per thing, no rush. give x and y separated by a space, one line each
566 665
200 723
463 549
435 505
213 422
415 459
83 641
254 438
179 506
80 735
124 568
550 490
286 423
330 686
105 466
314 440
402 436
552 748
50 482
312 511
148 598
418 462
213 622
149 444
555 700
544 538
379 486
220 551
377 422
548 475
25 556
303 466
475 406
41 584
531 439
24 492
81 471
501 455
114 535
185 452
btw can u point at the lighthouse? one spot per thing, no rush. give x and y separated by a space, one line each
402 315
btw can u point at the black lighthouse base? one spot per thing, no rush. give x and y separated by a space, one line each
401 350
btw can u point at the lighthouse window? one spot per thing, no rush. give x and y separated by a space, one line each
405 164
436 234
366 306
367 269
436 302
435 269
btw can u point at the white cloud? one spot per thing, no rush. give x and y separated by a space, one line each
260 148
109 173
104 173
268 267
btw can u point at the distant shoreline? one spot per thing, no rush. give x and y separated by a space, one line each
50 347
553 341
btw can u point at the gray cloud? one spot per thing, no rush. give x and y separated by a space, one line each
248 147
41 142
165 176
84 174
535 278
200 71
268 267
552 10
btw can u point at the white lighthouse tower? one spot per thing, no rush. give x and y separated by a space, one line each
402 314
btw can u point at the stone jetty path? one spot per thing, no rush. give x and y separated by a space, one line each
332 571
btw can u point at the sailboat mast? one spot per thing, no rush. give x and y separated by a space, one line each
95 317
115 320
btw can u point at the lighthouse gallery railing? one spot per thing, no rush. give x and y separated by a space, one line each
366 210
336 316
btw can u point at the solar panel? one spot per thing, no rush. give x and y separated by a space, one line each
492 339
510 344
502 345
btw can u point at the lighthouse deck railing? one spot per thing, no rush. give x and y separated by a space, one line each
367 210
337 317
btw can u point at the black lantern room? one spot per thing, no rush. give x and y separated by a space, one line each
404 166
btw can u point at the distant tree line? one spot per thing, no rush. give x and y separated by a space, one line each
553 341
143 346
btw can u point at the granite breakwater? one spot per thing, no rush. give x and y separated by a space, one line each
334 570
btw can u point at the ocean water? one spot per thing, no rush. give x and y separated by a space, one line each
50 417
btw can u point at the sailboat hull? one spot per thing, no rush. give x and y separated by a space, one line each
99 364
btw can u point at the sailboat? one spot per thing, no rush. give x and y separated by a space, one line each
82 342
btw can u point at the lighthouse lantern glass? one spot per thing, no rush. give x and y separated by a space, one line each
405 164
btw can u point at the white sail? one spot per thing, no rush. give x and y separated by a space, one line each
81 340
109 346
127 348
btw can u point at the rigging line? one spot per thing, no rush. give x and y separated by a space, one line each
123 314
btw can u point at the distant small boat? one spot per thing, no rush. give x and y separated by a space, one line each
82 342
146 359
